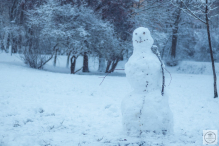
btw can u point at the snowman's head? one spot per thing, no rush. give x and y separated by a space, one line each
142 39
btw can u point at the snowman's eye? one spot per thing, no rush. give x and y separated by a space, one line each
143 32
135 33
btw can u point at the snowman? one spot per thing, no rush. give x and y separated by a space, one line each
145 109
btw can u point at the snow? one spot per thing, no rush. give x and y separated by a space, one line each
196 68
145 109
41 108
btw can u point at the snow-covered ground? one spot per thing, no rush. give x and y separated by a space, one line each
42 108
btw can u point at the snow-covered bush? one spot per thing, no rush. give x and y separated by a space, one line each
34 59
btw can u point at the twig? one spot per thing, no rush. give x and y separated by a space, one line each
119 69
107 75
42 64
78 70
190 12
46 61
170 76
104 78
154 49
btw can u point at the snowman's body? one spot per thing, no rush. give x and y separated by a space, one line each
142 70
145 109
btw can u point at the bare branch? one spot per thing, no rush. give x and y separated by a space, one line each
49 57
189 12
46 61
104 78
78 70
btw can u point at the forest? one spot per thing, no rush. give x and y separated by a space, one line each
40 30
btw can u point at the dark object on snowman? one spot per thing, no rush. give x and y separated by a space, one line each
154 49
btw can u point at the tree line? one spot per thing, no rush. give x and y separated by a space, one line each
43 29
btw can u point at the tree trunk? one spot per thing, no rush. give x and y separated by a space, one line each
22 13
108 66
55 58
88 4
11 44
73 64
175 33
2 47
114 64
14 45
8 42
102 65
68 57
85 63
19 44
174 42
211 51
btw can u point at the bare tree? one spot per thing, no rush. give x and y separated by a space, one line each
35 58
175 31
202 10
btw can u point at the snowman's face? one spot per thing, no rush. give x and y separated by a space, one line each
142 37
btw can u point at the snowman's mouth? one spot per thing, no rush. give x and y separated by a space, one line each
139 41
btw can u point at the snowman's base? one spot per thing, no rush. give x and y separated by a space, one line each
147 112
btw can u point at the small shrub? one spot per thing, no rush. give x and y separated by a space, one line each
35 59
